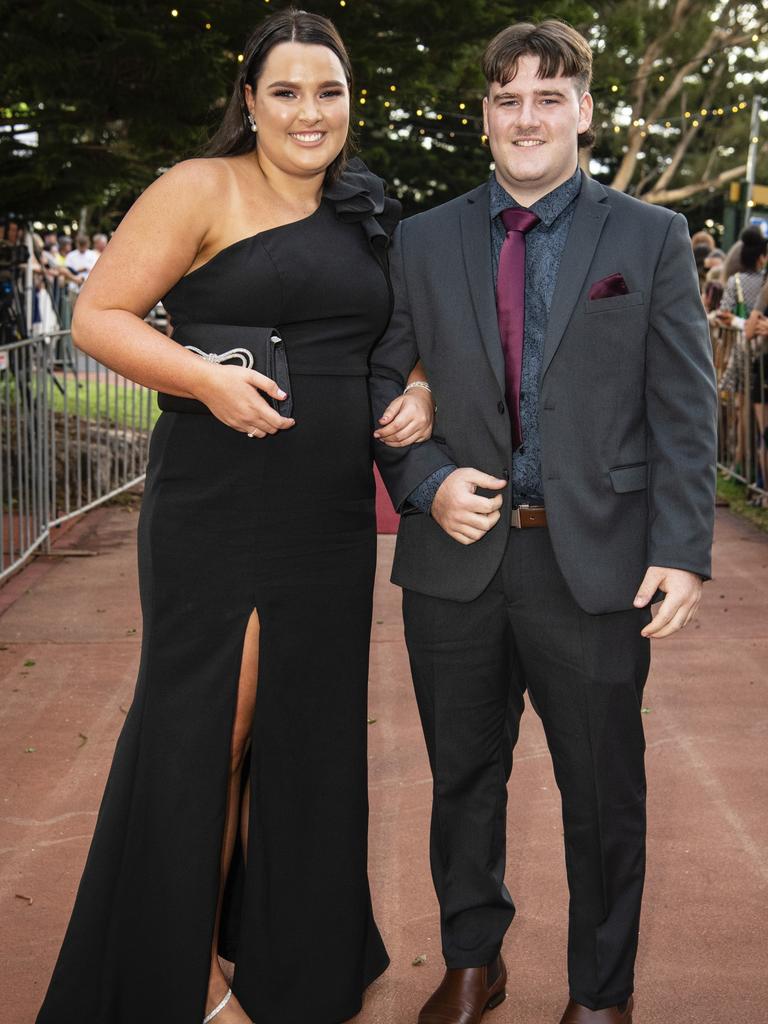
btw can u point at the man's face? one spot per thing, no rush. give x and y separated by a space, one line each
532 126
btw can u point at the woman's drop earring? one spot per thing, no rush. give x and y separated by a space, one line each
251 122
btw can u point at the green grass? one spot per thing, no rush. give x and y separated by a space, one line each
737 496
118 406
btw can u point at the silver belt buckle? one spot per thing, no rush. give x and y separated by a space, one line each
515 520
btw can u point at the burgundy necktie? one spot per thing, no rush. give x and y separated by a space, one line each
510 307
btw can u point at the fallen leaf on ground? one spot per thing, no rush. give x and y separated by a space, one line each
29 663
27 898
419 961
645 711
371 721
30 750
84 739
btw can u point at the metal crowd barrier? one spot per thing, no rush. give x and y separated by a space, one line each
742 369
73 434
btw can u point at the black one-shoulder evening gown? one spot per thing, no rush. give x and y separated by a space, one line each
284 525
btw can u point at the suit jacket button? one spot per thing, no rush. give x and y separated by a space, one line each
500 407
505 474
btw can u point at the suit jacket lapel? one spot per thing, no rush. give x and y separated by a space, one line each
586 228
476 247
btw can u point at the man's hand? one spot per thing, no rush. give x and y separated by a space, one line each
679 607
464 515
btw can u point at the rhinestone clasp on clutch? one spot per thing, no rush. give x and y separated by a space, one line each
242 354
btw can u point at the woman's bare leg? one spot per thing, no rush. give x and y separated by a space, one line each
246 698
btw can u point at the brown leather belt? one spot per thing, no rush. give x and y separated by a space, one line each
523 517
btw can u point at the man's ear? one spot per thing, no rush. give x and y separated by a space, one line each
485 115
586 109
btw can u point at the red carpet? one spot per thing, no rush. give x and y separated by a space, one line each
387 520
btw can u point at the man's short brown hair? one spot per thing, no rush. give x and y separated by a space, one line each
561 50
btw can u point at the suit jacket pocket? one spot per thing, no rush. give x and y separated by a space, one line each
629 478
614 302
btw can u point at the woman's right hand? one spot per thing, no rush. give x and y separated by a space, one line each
232 393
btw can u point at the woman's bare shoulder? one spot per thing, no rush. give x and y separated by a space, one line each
201 174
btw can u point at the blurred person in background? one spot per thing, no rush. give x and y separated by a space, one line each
740 297
756 332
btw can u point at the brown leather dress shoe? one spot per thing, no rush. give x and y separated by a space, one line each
575 1013
465 993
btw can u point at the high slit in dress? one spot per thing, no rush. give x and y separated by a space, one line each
283 525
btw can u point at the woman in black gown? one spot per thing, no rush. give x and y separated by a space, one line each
235 815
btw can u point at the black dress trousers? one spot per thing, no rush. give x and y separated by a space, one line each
471 664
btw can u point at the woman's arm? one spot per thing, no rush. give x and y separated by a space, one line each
151 250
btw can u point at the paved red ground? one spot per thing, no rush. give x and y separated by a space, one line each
69 644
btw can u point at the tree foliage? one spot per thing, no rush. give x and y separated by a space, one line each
98 97
674 86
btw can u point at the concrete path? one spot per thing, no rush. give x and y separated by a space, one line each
69 645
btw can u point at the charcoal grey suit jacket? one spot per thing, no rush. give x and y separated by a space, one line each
627 402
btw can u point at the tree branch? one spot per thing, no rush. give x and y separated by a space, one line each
718 39
684 144
674 195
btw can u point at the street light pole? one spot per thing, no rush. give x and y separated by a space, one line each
754 139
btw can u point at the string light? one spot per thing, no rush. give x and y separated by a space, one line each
406 130
174 13
240 58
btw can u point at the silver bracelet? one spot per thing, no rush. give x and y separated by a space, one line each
417 384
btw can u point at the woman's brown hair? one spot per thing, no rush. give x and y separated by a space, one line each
234 135
560 49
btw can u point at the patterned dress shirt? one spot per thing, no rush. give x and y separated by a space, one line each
543 251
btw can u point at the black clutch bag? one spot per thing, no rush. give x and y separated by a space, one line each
255 348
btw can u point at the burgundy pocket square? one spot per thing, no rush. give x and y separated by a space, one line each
614 284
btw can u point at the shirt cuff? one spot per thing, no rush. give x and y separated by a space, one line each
421 497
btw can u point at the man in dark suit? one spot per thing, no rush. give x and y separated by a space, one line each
568 484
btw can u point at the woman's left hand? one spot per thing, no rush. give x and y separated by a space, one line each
407 420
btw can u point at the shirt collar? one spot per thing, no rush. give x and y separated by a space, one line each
547 209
